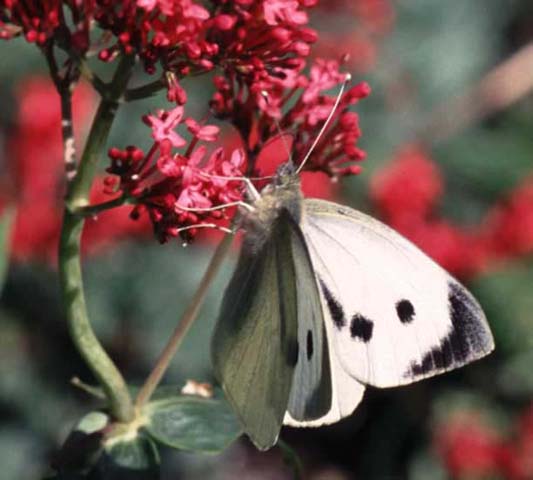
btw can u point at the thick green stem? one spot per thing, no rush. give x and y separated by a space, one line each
70 274
78 194
187 319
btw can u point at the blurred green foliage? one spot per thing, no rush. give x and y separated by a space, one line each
137 290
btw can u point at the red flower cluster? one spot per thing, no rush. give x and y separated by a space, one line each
33 180
177 190
170 32
156 30
66 23
184 188
470 448
261 48
262 45
407 193
510 224
259 42
336 151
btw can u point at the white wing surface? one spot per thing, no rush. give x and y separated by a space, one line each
393 314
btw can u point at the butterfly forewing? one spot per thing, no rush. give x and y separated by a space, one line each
256 341
396 315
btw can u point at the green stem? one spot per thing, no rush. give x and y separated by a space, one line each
78 194
144 91
188 318
92 210
70 274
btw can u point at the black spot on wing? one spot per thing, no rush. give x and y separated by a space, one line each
309 344
334 307
466 340
361 328
405 311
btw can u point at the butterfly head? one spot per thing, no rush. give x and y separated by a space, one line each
285 174
284 193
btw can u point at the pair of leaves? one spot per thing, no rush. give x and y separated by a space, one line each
183 422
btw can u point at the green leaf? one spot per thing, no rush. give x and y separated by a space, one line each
6 222
192 423
126 458
97 450
83 446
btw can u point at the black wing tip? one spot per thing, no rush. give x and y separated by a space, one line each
469 338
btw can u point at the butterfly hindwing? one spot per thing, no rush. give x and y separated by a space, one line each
396 316
311 388
322 392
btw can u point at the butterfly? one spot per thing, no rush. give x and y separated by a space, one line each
325 301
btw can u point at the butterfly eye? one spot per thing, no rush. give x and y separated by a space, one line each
405 311
361 328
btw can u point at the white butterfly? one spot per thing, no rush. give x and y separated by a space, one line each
326 300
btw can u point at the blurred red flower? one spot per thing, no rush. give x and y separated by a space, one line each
34 175
518 463
509 225
406 193
468 447
407 190
472 449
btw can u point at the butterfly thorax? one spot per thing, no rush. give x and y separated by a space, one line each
283 194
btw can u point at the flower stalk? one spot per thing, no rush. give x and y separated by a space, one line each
70 273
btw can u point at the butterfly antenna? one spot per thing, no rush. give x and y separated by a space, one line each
280 131
347 79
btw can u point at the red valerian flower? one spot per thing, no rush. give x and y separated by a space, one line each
509 225
262 48
336 153
163 125
517 463
170 32
180 191
406 193
471 448
33 179
468 447
44 21
409 188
